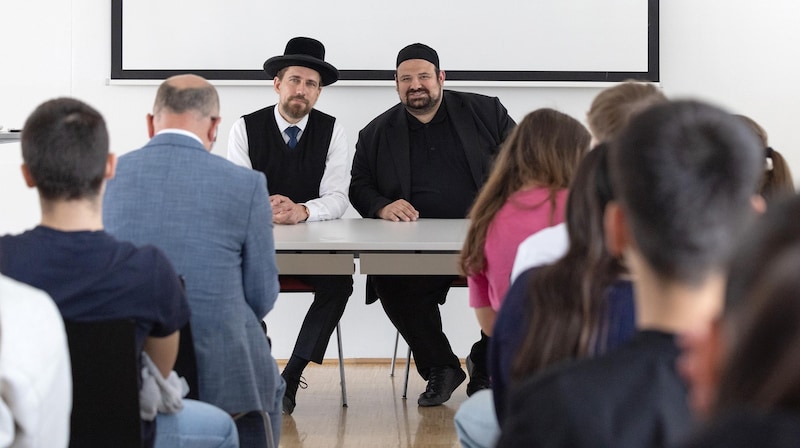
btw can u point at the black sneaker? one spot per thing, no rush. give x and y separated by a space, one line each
478 378
442 381
291 392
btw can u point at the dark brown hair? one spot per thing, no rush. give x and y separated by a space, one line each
566 299
777 179
65 147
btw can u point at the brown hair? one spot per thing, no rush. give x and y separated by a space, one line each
543 150
612 108
777 179
566 300
762 318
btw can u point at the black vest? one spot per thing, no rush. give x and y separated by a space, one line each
293 172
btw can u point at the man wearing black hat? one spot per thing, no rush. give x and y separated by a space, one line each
303 153
448 141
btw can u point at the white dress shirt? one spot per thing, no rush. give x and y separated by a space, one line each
332 201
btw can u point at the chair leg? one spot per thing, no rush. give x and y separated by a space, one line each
341 365
267 426
394 355
408 369
268 430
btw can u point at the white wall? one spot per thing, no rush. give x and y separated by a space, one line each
738 56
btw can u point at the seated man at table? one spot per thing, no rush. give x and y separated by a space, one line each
92 276
427 157
303 153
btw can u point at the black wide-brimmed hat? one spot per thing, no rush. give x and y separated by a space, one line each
305 52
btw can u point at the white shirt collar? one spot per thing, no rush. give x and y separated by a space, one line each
181 132
283 124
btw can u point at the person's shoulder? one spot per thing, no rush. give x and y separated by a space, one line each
320 114
469 97
263 111
386 117
588 376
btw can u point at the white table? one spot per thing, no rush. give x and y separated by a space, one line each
423 247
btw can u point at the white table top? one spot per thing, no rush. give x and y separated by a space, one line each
356 235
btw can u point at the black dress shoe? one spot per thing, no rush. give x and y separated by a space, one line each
292 384
442 381
478 378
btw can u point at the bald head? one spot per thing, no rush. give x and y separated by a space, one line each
187 93
187 102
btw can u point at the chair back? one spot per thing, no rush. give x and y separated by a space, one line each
186 363
105 384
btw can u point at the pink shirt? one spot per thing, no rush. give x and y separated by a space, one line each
524 213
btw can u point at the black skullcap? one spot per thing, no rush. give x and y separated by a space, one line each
418 51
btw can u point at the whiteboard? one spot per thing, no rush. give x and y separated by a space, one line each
497 40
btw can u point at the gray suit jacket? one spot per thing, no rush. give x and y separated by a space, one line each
214 222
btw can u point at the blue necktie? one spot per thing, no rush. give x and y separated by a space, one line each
292 131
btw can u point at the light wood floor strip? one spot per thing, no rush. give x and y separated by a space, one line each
377 416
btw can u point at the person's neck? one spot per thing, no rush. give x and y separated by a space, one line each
72 215
289 120
676 307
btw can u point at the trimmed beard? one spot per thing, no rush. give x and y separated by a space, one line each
296 111
422 105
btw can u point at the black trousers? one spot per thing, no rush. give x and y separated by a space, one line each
412 304
330 299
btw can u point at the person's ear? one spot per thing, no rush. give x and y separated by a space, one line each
151 128
111 166
26 174
214 129
276 83
758 203
441 76
616 229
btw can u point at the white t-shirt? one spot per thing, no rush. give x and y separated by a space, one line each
35 371
543 247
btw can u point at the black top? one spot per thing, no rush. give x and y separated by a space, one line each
632 397
293 172
750 428
382 163
441 183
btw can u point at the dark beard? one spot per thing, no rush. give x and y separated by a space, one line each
421 105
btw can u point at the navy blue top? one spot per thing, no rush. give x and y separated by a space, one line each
91 276
512 324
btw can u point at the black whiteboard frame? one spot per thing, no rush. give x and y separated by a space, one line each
652 73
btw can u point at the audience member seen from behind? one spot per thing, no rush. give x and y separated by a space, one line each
700 165
525 192
777 179
214 222
581 305
304 155
610 111
92 276
427 157
751 354
36 394
549 310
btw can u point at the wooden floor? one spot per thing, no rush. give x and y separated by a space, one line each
377 416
